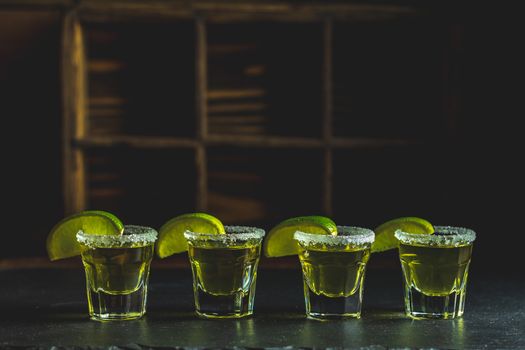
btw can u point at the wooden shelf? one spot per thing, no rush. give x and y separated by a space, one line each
146 142
363 142
134 141
221 11
246 84
263 141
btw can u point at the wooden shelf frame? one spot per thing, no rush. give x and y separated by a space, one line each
161 142
74 97
74 75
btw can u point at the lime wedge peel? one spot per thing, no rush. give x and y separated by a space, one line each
62 242
171 234
280 241
385 239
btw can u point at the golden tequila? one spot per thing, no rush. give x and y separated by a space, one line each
435 270
224 271
224 268
333 271
117 271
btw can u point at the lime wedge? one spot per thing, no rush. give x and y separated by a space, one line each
171 234
62 241
280 242
385 239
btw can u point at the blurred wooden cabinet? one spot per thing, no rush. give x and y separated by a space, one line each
256 111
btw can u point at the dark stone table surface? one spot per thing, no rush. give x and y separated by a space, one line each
46 308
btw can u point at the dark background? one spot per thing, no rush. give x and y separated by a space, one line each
474 181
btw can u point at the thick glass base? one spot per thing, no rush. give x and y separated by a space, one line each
421 306
117 307
236 305
320 307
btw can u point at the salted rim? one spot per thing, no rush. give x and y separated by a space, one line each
133 235
450 237
234 234
346 235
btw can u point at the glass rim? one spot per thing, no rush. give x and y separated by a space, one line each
351 235
451 236
233 234
133 234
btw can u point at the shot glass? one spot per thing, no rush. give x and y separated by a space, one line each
224 268
334 271
117 270
435 270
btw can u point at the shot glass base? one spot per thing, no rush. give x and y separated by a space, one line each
236 305
117 307
324 317
116 317
220 316
421 306
320 307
